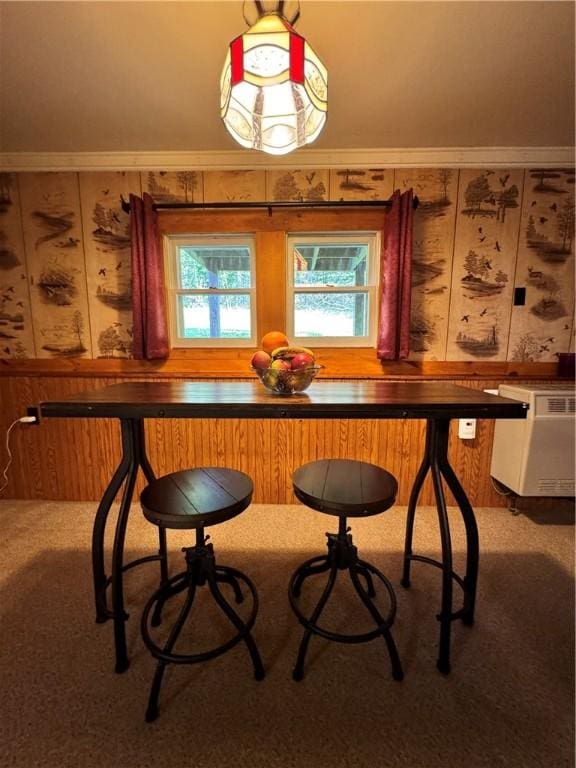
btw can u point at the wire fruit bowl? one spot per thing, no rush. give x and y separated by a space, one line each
283 381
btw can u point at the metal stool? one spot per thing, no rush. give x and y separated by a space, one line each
346 489
196 498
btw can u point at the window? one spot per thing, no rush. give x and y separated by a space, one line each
270 284
332 288
211 290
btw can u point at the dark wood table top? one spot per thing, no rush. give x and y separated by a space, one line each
249 399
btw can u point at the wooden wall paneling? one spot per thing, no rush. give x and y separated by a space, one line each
485 250
433 247
234 186
173 186
74 459
16 330
361 183
108 259
271 282
173 222
52 224
542 326
259 462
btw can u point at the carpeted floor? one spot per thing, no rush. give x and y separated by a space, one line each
509 700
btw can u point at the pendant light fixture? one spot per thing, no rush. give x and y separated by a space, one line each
273 88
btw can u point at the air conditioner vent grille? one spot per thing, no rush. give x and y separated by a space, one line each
556 486
554 405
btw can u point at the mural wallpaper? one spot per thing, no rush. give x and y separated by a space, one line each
493 271
361 184
433 243
234 186
52 225
106 230
485 245
16 334
542 324
297 186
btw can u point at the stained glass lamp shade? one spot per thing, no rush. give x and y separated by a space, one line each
273 88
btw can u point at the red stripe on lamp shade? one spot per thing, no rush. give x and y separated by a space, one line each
296 58
237 60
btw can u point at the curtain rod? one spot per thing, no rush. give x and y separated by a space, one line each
271 205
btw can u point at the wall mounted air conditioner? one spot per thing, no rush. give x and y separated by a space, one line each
535 456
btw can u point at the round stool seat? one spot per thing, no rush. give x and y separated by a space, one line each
344 487
194 498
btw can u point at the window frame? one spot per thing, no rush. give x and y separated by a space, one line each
371 288
270 227
172 242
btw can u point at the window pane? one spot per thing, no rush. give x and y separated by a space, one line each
330 264
214 267
331 314
214 317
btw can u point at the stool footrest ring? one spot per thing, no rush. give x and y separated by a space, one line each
294 591
177 584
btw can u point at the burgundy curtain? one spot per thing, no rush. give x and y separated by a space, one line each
150 329
395 271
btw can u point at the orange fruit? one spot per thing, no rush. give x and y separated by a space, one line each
272 340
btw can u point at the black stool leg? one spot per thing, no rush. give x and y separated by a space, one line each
362 570
397 672
238 623
177 585
223 577
298 673
308 569
152 711
175 589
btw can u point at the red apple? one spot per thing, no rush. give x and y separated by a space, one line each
280 365
261 360
302 360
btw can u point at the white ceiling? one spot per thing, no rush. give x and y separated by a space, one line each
142 77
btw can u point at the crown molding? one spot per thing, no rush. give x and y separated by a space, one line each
420 157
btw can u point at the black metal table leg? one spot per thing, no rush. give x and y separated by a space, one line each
98 567
120 616
133 458
140 446
472 542
445 616
413 500
125 468
436 461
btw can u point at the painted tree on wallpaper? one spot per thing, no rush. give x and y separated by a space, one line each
6 182
115 341
57 284
111 232
490 198
361 184
8 256
557 246
172 187
299 186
